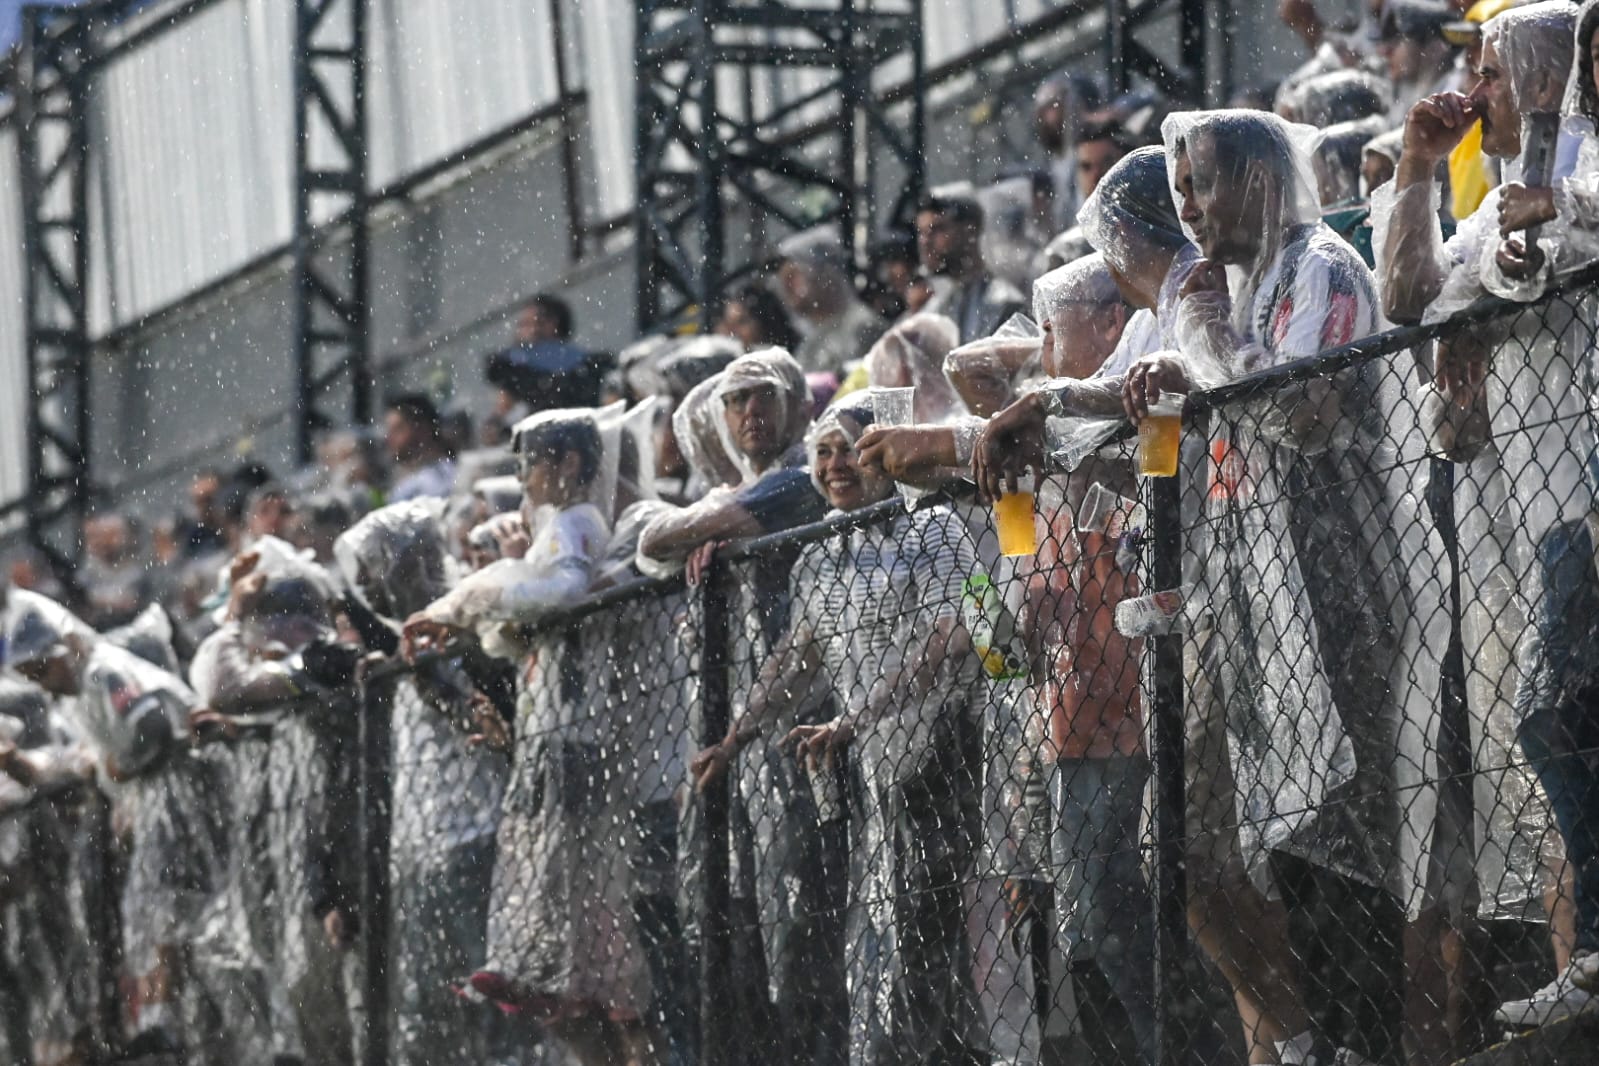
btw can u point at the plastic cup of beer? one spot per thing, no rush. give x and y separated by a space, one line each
1013 519
1159 436
893 407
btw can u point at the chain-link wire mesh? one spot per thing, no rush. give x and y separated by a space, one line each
1292 746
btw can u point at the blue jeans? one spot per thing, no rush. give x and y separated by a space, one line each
1101 898
1558 706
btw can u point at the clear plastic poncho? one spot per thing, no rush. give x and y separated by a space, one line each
579 450
135 717
447 790
769 368
991 372
1335 97
1338 158
1009 243
911 355
1313 508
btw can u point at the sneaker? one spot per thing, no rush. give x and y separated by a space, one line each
1585 971
1560 998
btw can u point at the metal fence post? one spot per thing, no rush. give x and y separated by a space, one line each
1170 890
376 788
716 951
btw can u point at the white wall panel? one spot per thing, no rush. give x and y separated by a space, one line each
13 352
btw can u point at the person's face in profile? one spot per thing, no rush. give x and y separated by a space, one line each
1226 212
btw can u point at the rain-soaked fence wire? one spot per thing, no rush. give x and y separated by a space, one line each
1289 746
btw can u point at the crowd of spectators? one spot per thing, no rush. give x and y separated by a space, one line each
938 758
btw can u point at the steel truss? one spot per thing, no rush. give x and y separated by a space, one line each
710 157
1126 55
51 91
331 311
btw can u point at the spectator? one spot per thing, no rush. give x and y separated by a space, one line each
949 229
1541 473
892 265
1101 141
904 678
1471 171
446 806
113 578
1010 242
764 414
1419 57
135 717
544 369
270 512
205 532
814 280
414 433
1335 97
757 319
1058 107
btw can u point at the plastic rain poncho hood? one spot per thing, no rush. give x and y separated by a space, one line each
1131 214
992 371
395 560
911 354
1336 97
849 416
697 425
1260 161
771 368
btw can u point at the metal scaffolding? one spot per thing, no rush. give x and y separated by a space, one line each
331 309
51 90
720 156
1191 81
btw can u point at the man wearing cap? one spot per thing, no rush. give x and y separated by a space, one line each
949 230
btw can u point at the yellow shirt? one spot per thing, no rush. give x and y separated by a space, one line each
1469 177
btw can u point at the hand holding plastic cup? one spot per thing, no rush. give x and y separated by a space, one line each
1159 437
1013 519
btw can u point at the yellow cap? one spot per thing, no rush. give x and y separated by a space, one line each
1469 28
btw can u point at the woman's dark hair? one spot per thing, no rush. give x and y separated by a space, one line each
1587 94
762 305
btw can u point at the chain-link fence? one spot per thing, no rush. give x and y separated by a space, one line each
1287 752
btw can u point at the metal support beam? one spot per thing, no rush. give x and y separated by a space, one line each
718 167
1183 77
331 306
51 89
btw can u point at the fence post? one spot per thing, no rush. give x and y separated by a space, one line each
376 788
1170 888
104 918
716 950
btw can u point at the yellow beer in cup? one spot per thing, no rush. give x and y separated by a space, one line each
1013 518
1159 437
